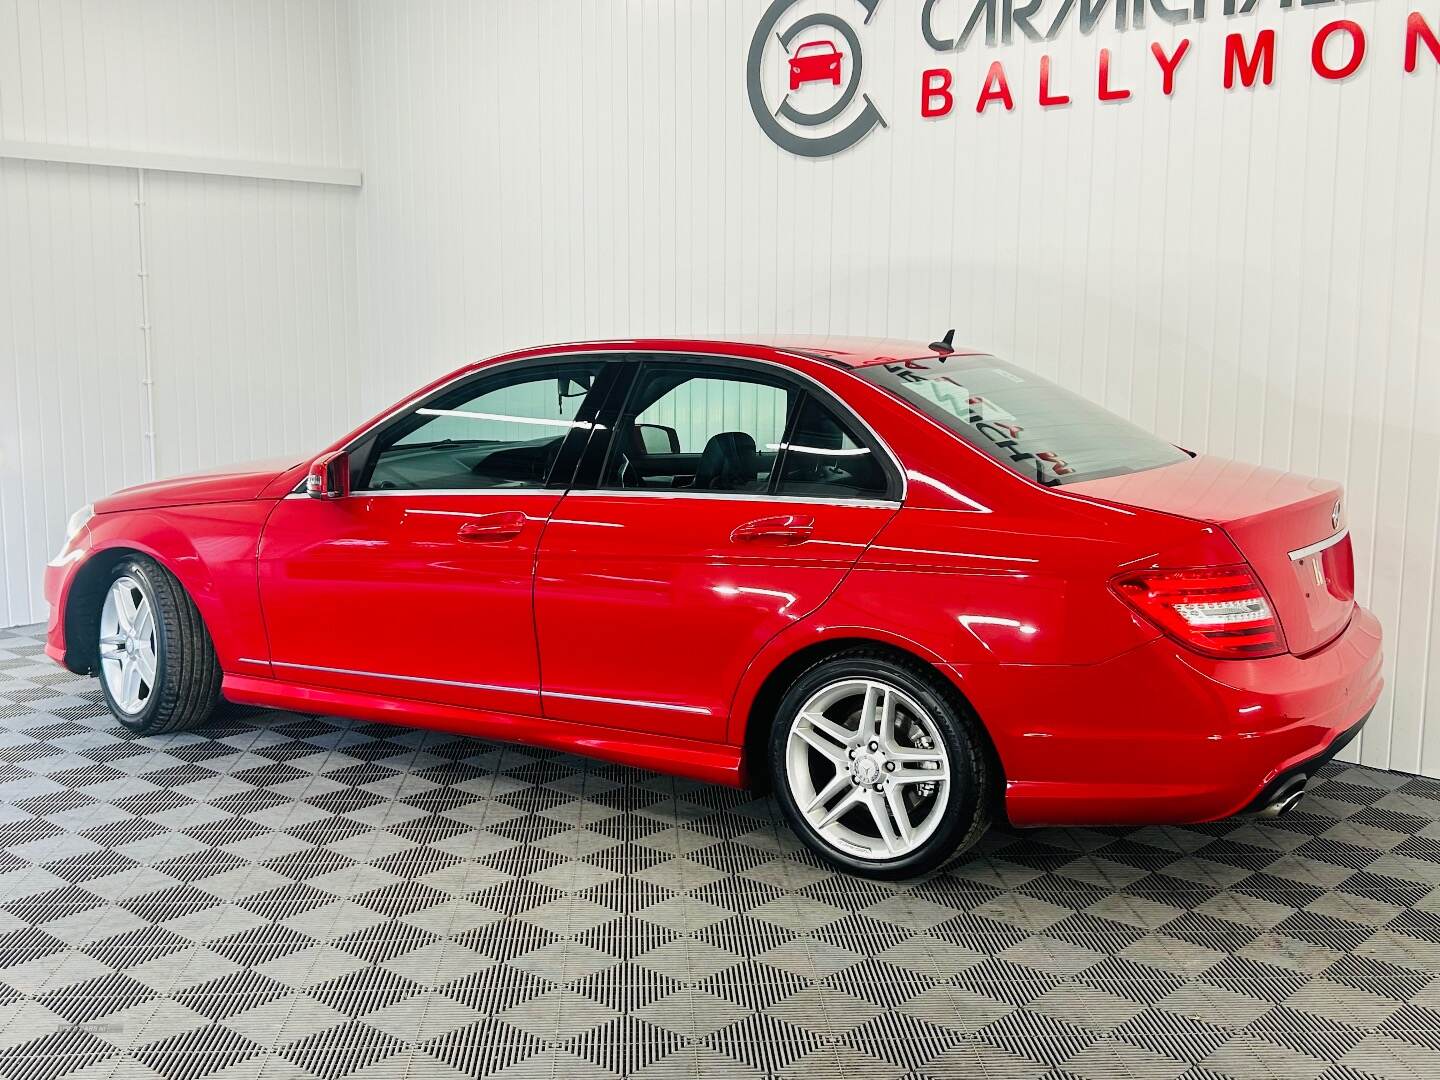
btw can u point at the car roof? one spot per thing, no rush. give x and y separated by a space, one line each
842 350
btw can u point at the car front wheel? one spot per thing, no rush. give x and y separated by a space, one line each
157 666
877 767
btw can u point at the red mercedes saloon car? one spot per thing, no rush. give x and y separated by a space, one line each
908 587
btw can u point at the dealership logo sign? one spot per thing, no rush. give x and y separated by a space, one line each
813 55
824 48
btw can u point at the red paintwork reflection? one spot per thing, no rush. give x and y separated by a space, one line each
686 605
643 629
397 587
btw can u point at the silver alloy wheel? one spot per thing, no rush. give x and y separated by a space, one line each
127 645
868 769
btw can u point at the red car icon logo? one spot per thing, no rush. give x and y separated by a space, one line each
815 61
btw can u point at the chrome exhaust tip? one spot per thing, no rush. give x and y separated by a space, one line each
1286 799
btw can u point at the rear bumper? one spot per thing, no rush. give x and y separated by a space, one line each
1297 775
1161 735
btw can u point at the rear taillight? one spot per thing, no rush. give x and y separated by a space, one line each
1216 610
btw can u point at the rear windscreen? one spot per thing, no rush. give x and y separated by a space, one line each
1027 423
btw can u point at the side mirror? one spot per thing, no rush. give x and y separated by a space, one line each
329 476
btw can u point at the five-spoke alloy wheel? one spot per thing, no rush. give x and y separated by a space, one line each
880 755
155 660
127 645
876 766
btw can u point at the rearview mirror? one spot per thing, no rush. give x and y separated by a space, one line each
329 476
571 386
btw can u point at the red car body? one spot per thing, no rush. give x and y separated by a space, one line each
654 631
815 61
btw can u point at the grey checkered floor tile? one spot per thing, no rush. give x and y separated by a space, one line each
291 896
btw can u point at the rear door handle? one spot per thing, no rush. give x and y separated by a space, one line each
492 528
786 528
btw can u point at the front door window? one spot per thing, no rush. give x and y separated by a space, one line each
505 432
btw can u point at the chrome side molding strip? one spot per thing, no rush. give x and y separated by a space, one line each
1319 545
405 678
696 709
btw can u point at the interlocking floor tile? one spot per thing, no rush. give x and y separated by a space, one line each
288 897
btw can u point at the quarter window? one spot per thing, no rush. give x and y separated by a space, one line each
506 435
823 459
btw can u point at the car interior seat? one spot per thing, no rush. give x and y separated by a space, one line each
632 453
729 462
816 431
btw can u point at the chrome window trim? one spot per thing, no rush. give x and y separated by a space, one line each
729 496
611 355
464 493
1320 545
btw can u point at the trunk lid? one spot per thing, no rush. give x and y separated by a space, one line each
1290 528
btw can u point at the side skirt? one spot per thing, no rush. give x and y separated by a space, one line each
714 763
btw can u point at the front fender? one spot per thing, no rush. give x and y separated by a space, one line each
210 549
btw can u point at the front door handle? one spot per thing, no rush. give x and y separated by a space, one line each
492 528
786 528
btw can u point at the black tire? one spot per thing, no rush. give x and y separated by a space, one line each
187 672
967 815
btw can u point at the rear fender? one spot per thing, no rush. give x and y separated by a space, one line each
821 628
972 596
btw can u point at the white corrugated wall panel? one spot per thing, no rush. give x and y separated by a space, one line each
1252 273
252 303
262 80
71 400
252 283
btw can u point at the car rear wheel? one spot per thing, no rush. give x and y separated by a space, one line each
157 666
877 767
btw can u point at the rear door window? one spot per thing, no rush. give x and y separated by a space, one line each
699 427
824 458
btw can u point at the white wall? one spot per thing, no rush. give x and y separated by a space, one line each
1249 272
252 283
1254 273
